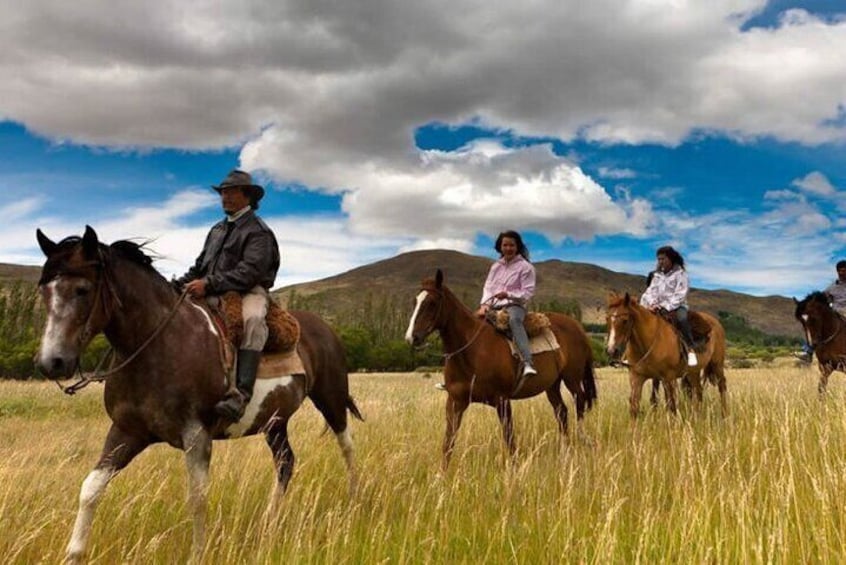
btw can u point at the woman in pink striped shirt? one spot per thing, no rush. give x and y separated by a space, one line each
510 285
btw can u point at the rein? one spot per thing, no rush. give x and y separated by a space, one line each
448 356
832 336
85 380
645 355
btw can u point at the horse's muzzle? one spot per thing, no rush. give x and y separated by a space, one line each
56 367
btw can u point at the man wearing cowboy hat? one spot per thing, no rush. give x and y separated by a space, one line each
240 254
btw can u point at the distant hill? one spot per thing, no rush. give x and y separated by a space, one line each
395 281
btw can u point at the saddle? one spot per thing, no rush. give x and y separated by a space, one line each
283 329
699 327
538 329
535 322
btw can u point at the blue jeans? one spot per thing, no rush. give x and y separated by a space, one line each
684 324
516 315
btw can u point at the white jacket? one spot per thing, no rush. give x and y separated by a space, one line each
667 290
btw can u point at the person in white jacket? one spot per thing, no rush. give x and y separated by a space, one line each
668 291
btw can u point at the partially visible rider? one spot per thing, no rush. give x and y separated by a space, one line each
836 293
668 290
510 285
240 254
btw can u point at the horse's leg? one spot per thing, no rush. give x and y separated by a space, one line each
334 410
671 391
506 421
653 397
454 411
118 450
197 444
283 459
718 371
636 381
559 408
825 372
692 386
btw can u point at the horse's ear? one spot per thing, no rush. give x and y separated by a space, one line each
439 278
627 299
45 243
90 243
795 301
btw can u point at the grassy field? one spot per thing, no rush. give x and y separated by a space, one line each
765 485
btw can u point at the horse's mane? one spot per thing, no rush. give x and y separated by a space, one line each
135 253
816 296
124 249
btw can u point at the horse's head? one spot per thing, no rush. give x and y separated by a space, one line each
428 309
619 320
813 312
72 287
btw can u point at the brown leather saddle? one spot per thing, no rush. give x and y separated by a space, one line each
699 327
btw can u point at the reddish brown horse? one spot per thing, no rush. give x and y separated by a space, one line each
171 372
652 350
480 366
824 331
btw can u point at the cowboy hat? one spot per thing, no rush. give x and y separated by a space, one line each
240 179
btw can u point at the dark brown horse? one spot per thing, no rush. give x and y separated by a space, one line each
166 387
480 366
652 350
824 331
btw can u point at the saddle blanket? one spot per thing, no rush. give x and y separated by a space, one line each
545 341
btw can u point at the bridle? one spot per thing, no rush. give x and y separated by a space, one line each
105 285
434 325
627 335
832 336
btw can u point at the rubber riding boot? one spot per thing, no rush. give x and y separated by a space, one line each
528 371
232 407
692 361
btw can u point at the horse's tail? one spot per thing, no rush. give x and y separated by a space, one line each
589 385
353 408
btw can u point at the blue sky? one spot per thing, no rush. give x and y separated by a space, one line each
380 127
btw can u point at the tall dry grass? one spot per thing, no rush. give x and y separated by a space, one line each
765 485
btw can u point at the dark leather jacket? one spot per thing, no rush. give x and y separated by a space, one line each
239 260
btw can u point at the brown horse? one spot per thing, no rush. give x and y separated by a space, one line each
480 366
652 349
824 332
170 371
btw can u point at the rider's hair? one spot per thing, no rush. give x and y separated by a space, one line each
521 247
673 255
841 264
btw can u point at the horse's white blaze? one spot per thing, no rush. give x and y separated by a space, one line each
408 333
54 341
89 495
805 317
611 338
808 338
261 390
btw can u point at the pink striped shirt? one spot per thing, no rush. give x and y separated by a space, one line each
516 277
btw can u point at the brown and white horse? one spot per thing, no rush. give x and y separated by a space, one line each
825 331
652 350
173 373
480 366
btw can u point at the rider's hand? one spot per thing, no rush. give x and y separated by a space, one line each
483 309
196 288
